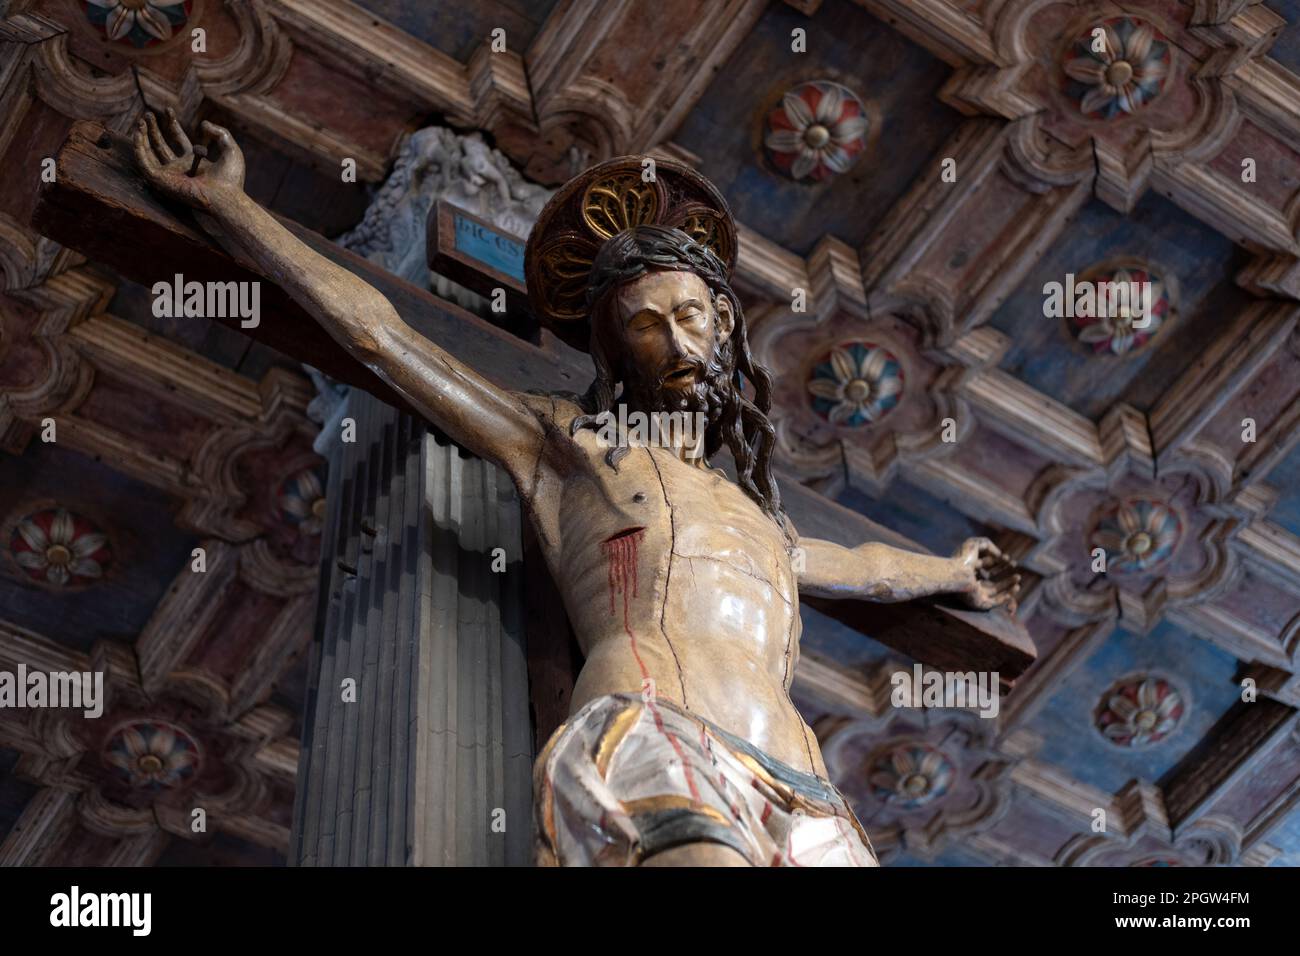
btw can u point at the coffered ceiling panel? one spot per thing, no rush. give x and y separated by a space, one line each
916 513
894 83
1135 707
1075 360
88 551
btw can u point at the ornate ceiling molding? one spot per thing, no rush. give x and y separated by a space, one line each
581 38
919 782
242 438
1003 71
957 277
857 394
88 769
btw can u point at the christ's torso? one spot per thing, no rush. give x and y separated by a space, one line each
676 584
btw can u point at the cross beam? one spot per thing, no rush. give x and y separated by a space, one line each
100 206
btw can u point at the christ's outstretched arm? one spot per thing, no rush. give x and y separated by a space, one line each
489 421
978 572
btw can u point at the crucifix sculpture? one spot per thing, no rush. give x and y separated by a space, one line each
682 746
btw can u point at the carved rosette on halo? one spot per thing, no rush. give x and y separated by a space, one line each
59 549
1127 73
1139 711
818 130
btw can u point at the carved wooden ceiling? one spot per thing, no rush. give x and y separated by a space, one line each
1174 158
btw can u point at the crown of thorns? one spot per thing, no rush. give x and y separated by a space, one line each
599 206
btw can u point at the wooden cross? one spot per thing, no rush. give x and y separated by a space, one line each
100 206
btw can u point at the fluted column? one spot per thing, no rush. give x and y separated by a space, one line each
424 758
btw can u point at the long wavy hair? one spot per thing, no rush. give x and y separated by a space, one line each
733 419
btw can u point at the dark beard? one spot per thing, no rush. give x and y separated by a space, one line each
713 395
709 393
730 418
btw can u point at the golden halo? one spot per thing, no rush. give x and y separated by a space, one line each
620 201
566 262
597 205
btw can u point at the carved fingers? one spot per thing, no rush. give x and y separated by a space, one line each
996 578
165 170
171 162
178 133
156 139
225 154
1000 584
145 157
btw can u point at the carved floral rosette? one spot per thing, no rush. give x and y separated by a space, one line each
142 24
917 779
817 131
1148 543
1078 109
855 391
1117 329
57 548
1141 710
161 755
1117 71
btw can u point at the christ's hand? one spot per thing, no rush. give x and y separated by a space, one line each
991 576
171 167
488 420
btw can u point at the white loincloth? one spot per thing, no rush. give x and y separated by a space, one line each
625 778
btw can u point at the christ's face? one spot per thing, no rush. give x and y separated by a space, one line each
670 330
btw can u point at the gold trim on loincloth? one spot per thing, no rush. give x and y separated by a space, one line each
547 809
784 792
791 797
617 728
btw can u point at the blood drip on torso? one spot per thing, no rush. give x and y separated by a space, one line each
621 557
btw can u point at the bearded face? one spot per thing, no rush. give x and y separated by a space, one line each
677 344
670 332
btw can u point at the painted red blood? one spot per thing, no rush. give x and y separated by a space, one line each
620 554
621 558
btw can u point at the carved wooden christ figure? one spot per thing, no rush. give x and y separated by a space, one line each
683 746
